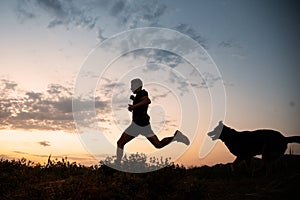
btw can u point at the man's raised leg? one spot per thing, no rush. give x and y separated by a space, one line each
160 143
178 137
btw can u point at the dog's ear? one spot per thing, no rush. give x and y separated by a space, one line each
221 122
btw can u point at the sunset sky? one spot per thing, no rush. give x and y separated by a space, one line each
46 44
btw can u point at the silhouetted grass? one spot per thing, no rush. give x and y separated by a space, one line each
22 179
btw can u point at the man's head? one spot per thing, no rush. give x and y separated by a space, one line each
136 84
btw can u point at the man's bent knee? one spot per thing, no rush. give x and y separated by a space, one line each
158 145
120 144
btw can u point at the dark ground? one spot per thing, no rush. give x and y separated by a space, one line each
64 180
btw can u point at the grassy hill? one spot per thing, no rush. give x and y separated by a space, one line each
22 179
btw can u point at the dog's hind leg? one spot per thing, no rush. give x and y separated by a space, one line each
236 162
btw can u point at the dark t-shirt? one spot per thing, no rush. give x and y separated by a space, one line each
139 114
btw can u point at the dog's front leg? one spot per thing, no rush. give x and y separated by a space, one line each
235 163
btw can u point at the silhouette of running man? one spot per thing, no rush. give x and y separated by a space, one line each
141 122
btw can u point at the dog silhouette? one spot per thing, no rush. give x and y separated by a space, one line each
270 144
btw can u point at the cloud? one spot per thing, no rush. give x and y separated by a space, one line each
207 80
34 96
105 16
6 157
100 36
57 89
66 13
7 84
234 48
229 44
83 158
124 14
162 95
117 8
49 110
166 58
54 6
25 153
190 31
157 56
24 12
137 13
108 16
55 22
111 85
44 143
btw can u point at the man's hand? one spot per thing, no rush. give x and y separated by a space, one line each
130 107
132 97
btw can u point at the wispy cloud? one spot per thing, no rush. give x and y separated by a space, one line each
128 14
6 157
53 6
100 35
44 143
162 95
82 158
157 56
234 47
66 13
193 33
25 153
136 13
117 8
24 12
8 85
107 17
230 44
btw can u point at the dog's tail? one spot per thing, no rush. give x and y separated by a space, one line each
293 139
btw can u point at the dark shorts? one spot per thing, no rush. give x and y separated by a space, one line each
134 130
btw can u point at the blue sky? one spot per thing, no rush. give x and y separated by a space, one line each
44 44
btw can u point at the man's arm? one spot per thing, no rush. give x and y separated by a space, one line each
145 101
